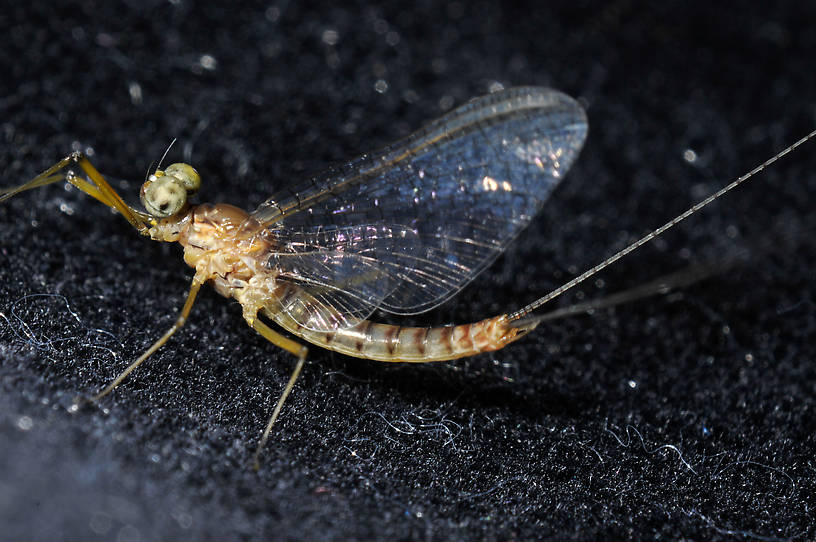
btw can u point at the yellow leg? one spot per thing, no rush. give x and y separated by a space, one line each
182 318
292 347
98 188
110 194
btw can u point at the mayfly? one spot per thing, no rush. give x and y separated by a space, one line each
400 230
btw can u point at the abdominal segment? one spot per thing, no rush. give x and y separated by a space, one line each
385 342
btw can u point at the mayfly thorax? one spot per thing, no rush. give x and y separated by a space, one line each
400 230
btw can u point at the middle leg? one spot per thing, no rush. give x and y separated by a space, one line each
182 318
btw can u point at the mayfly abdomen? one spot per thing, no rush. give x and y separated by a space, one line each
386 342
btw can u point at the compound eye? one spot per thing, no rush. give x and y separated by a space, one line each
163 196
187 175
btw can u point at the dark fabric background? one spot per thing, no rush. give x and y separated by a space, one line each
688 416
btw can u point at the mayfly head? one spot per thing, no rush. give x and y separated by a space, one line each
165 193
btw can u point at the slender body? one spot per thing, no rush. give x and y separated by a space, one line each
227 247
386 342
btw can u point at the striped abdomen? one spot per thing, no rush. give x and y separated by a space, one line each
384 342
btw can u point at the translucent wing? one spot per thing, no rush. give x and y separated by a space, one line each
439 207
341 274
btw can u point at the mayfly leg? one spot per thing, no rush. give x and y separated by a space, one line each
180 321
293 347
98 188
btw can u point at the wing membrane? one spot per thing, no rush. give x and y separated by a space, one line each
343 273
452 196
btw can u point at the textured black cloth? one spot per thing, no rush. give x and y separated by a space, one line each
683 416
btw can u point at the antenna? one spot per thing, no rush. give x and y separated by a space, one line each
524 311
150 167
170 146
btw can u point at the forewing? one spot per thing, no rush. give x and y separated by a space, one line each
463 186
